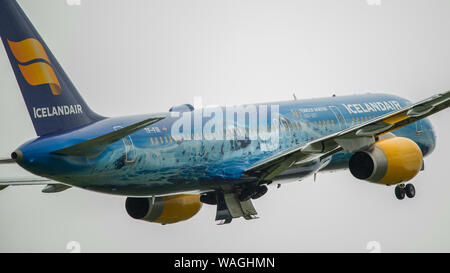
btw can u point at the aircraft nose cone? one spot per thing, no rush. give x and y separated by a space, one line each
17 155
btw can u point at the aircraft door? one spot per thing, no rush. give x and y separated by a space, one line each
130 152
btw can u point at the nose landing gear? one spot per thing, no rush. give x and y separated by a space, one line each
401 190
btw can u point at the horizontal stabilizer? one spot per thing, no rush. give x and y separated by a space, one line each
6 161
95 146
25 181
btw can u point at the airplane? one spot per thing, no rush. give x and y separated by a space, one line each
169 164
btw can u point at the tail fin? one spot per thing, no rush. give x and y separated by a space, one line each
52 100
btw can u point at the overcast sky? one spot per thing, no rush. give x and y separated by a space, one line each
141 56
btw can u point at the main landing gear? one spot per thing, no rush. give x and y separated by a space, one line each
234 204
402 190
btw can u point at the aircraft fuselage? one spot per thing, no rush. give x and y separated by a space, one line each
156 160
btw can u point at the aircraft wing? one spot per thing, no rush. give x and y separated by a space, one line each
95 146
351 139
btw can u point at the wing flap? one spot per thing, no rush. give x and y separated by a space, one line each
54 188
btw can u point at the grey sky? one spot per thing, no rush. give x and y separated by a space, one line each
140 56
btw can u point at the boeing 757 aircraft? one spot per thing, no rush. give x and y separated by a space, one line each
169 164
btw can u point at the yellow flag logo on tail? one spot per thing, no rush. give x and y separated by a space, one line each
39 72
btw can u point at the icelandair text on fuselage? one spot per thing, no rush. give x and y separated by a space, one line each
55 111
377 106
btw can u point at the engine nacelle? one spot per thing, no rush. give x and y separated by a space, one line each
164 210
388 161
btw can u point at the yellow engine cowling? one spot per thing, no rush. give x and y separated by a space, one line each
389 161
164 210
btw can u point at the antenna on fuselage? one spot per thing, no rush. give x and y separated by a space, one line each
295 97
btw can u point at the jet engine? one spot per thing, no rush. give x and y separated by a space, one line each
388 161
164 210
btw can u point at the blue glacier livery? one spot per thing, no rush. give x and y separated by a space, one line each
169 164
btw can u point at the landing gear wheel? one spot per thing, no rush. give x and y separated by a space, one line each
260 191
245 195
410 190
209 198
400 192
